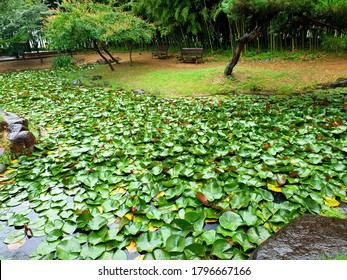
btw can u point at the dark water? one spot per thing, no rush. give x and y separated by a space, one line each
22 252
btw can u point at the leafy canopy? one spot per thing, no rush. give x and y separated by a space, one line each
20 21
322 13
77 25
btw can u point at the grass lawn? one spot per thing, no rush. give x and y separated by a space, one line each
280 75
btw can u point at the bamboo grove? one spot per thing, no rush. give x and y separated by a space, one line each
218 24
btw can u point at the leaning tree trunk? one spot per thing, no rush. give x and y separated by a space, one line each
248 37
97 49
109 54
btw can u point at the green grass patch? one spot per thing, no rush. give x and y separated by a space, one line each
195 82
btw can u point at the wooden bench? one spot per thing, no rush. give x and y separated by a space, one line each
191 55
43 54
161 52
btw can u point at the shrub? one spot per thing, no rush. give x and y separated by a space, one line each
335 44
63 61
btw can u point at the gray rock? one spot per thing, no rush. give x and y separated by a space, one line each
24 142
2 151
3 126
96 77
100 61
322 86
12 118
339 83
2 168
308 237
139 91
77 82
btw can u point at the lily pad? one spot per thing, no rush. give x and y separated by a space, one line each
68 250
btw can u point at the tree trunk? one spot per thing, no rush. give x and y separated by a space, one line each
248 37
109 54
131 54
97 49
36 46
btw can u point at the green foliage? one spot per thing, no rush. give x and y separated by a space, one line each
87 24
304 23
119 172
63 61
20 21
335 44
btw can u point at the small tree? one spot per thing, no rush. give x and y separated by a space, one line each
92 25
20 22
285 15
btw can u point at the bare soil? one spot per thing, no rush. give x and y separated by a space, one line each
323 70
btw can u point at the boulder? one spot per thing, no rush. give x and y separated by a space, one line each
11 118
77 82
2 168
138 91
3 126
14 129
96 77
23 142
308 237
341 82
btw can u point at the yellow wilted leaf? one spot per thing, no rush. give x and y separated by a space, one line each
152 228
160 194
129 216
274 188
211 221
268 226
118 190
14 161
50 152
8 182
200 185
330 201
131 247
16 245
230 135
139 258
100 209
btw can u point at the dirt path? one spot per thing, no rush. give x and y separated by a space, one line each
326 70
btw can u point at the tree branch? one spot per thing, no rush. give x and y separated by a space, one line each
321 23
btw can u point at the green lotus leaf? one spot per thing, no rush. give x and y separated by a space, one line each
249 216
175 243
46 248
52 225
14 237
209 237
119 255
83 219
98 236
230 220
258 235
54 235
69 227
92 252
157 170
157 254
97 223
222 249
148 241
195 251
68 250
241 238
212 191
